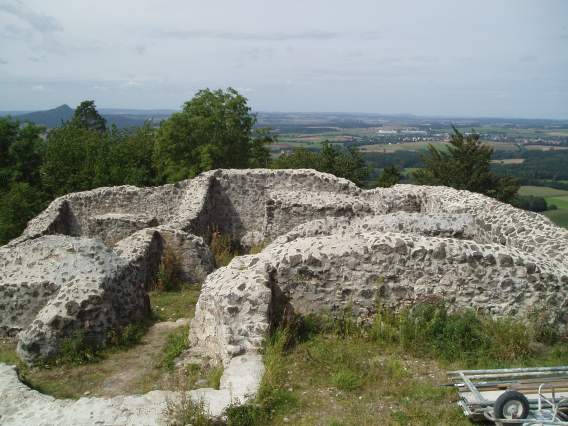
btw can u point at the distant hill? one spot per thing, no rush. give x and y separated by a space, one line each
126 118
50 118
287 122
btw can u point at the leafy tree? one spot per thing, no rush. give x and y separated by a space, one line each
213 130
259 155
20 153
8 135
390 176
71 160
465 165
17 206
25 155
346 163
299 158
130 157
86 116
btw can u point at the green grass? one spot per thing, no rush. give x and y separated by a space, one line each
559 217
176 344
467 338
331 379
542 191
554 196
560 202
8 353
173 305
331 371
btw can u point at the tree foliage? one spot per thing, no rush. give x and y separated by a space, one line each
390 176
70 162
532 203
87 117
20 158
345 163
214 130
465 165
17 206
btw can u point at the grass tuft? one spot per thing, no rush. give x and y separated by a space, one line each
429 330
346 379
223 248
176 344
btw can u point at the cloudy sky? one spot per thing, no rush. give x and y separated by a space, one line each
440 57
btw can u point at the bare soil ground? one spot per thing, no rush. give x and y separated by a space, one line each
136 370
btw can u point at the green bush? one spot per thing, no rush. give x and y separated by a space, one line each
129 336
223 248
186 411
271 397
79 349
214 377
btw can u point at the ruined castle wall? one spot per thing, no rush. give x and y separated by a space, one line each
285 210
98 291
357 271
396 245
238 198
88 213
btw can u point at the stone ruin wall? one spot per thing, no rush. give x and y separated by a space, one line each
394 245
240 203
316 269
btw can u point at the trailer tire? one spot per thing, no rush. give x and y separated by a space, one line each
511 405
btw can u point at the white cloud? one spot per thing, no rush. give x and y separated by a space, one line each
37 20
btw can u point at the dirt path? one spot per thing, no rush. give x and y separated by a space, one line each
135 370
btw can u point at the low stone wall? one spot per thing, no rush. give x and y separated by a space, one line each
96 292
54 286
22 406
358 270
113 227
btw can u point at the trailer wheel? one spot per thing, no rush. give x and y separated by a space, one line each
511 405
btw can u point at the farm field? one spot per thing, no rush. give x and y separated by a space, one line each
509 161
554 196
560 217
542 191
405 146
560 202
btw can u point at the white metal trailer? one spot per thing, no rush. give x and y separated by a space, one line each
521 396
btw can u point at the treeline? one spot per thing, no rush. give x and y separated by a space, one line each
538 166
215 129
